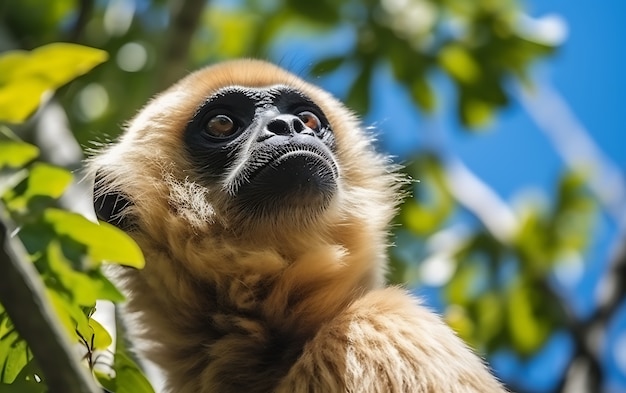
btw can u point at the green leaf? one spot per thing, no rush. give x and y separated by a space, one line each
82 288
574 214
70 314
16 154
106 289
458 319
232 35
528 332
104 242
102 338
421 219
328 65
490 316
396 274
423 94
359 95
9 180
25 76
14 352
27 381
459 63
432 203
128 377
44 180
47 180
459 289
323 12
476 112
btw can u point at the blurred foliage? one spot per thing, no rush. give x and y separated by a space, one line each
498 293
66 248
478 45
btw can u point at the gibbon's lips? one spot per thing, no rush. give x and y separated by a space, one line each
301 169
292 173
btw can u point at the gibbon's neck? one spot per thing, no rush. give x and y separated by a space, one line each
282 284
264 312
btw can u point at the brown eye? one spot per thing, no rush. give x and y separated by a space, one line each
221 126
310 120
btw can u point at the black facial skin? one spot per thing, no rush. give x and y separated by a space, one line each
269 148
109 206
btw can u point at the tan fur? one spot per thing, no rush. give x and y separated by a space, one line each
291 304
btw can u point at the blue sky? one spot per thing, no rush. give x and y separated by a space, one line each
589 70
513 155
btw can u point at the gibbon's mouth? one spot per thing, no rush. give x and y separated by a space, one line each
300 168
295 175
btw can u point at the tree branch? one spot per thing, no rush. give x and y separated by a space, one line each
85 10
186 17
22 295
574 144
471 192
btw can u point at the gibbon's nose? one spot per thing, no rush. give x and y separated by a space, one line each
286 125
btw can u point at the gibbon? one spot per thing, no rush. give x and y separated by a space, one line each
262 210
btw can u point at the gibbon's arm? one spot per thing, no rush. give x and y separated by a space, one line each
387 342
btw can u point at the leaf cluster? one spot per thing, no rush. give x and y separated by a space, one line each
67 250
500 293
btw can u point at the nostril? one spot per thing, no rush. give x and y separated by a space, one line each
298 125
278 127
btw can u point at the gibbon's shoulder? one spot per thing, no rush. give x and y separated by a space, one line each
386 341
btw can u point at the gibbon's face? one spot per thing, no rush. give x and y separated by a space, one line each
243 147
271 148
